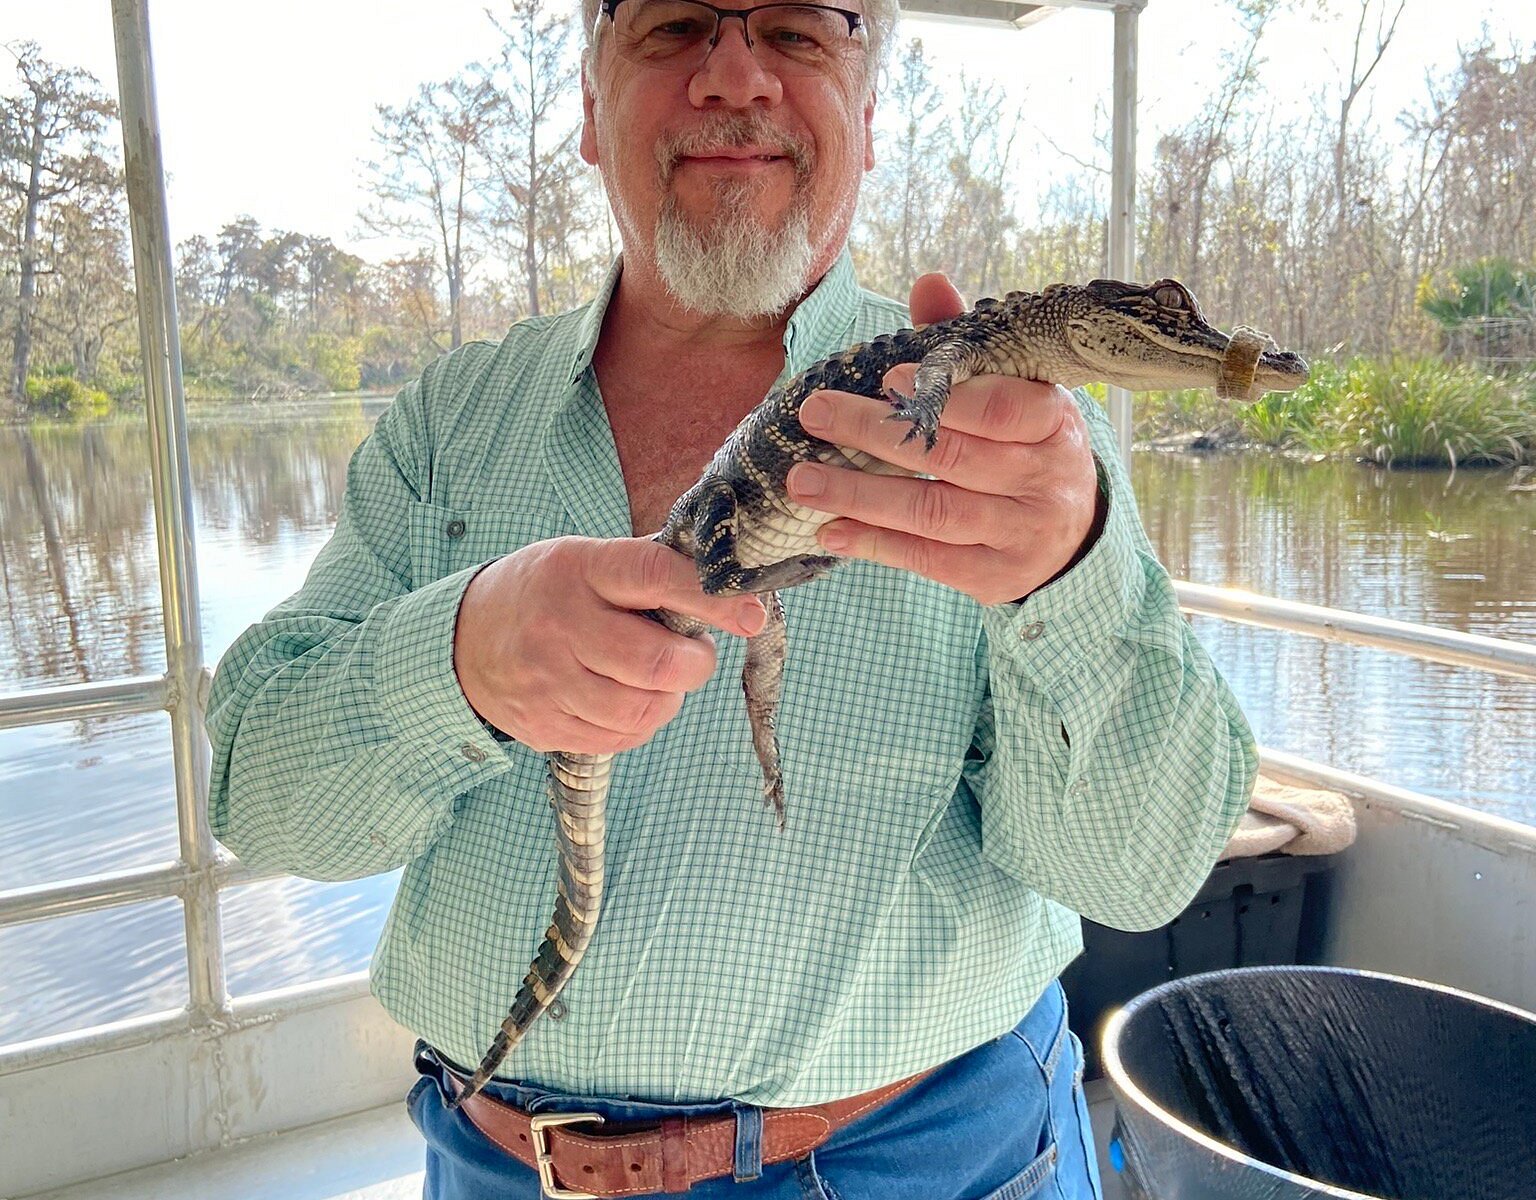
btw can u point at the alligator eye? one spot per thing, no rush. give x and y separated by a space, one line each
1171 296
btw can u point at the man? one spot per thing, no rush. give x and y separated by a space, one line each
1012 728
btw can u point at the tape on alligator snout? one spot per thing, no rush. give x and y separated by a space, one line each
1239 362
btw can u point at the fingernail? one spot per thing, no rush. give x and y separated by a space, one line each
808 480
753 618
815 412
834 539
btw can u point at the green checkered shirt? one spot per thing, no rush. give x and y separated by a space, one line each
961 781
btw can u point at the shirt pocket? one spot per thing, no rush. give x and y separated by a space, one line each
445 540
882 692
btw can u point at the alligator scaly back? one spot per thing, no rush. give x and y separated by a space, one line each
745 534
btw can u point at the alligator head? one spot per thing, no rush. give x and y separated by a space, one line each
1155 337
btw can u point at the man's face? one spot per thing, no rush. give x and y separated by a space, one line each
738 183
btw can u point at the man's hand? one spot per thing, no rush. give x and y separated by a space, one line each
1014 500
550 646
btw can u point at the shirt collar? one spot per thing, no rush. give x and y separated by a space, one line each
590 327
820 324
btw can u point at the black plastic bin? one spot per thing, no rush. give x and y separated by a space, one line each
1251 912
1285 1083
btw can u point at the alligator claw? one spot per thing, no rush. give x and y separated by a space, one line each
922 416
922 421
773 796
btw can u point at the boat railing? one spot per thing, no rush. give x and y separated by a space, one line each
1427 642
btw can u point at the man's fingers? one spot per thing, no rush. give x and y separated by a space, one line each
976 463
969 569
998 407
572 735
935 298
638 574
930 508
647 655
622 711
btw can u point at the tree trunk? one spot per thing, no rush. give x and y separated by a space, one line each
455 304
456 260
26 307
531 215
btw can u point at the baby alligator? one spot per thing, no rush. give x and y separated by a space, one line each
746 535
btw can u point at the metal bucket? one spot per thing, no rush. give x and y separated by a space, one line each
1286 1083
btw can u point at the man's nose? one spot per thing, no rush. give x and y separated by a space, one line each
732 73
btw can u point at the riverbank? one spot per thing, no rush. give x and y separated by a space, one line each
1400 412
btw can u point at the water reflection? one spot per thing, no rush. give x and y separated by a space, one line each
1451 550
91 968
77 560
77 545
86 797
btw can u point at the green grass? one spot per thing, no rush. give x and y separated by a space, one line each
1396 412
1421 412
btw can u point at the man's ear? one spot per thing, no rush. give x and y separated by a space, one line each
869 131
588 118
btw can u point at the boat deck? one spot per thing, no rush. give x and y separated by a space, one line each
373 1155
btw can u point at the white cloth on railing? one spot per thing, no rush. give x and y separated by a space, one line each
1293 820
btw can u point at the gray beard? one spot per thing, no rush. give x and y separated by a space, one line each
734 266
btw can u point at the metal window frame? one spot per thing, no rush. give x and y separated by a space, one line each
203 869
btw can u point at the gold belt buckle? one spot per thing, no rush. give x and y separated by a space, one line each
546 1160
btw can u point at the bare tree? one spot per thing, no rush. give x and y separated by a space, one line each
50 149
1359 75
1478 139
979 213
899 206
90 297
423 184
1188 157
538 201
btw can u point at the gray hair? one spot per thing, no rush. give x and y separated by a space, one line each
880 18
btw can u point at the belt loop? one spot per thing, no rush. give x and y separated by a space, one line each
749 1143
675 1175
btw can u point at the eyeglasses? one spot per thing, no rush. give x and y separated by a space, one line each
678 35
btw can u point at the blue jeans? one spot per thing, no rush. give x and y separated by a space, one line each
1005 1121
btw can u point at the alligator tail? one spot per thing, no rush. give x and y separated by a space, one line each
578 786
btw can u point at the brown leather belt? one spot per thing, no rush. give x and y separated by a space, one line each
636 1160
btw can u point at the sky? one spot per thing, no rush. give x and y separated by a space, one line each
267 109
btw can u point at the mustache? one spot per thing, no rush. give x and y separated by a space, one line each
733 131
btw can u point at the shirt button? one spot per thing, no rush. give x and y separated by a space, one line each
472 752
1032 631
1079 787
454 528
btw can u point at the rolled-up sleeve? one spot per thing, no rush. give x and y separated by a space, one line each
1111 760
341 738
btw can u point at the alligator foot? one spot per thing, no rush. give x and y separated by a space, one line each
720 572
919 412
762 680
944 366
790 572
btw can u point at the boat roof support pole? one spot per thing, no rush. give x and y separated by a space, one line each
170 467
1122 191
